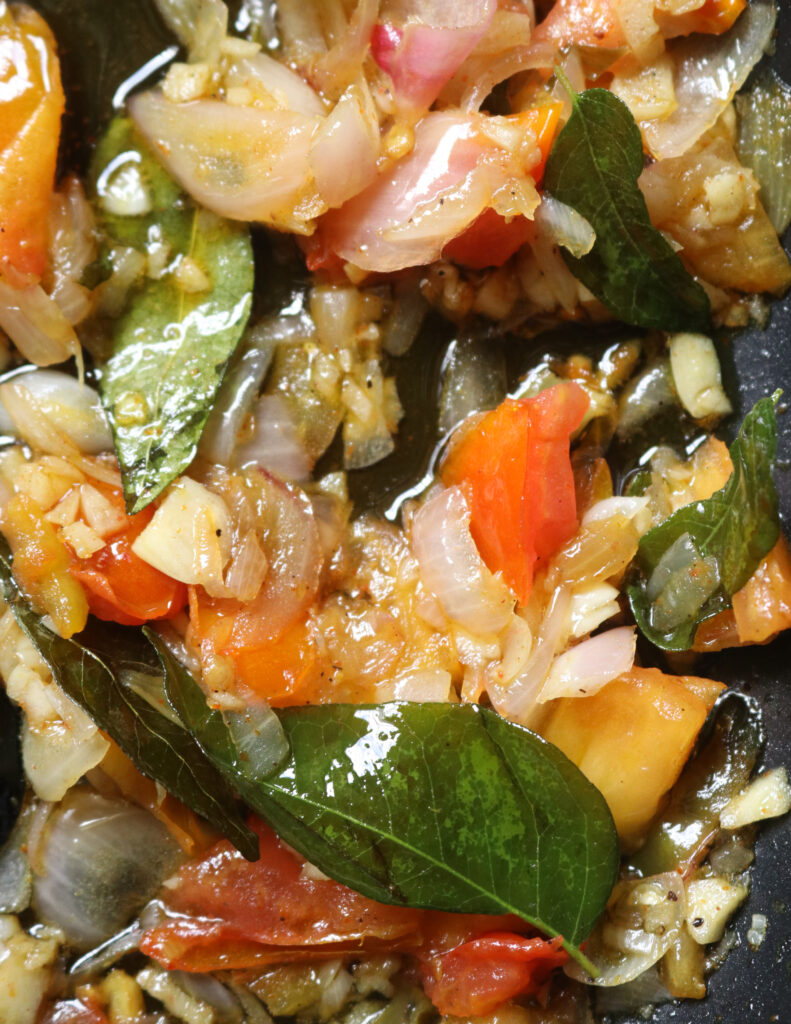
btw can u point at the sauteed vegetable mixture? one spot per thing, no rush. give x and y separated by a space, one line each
299 743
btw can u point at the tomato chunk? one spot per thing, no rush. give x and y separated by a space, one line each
491 239
478 976
269 911
119 585
515 469
31 105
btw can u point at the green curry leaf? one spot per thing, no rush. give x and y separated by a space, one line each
443 806
92 671
593 167
170 347
694 561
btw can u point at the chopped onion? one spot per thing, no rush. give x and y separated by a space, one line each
452 568
73 409
454 172
214 151
57 757
343 62
765 143
591 604
636 509
72 247
709 71
641 923
473 380
406 318
16 880
518 699
36 324
585 669
565 226
422 56
180 17
263 74
101 861
681 583
697 375
345 149
647 989
427 685
644 397
275 444
258 735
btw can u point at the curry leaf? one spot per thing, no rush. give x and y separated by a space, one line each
170 345
722 539
593 167
90 672
443 806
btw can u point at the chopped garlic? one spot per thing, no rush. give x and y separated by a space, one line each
768 796
25 964
83 540
185 82
591 604
726 196
190 276
697 377
122 189
710 902
757 931
100 514
124 998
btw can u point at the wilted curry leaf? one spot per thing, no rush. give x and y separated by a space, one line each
593 167
90 672
427 805
710 548
171 345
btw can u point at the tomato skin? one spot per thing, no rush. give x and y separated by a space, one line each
30 113
478 976
515 470
121 587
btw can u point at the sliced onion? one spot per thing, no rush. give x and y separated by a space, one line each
57 757
565 226
240 162
636 509
410 212
426 686
73 408
275 444
452 568
343 62
422 56
681 583
586 668
72 247
403 323
518 699
345 149
640 925
101 861
709 71
36 324
765 143
262 73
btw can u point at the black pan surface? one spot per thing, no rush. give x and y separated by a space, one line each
103 43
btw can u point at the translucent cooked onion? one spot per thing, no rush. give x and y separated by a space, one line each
72 247
642 920
261 73
473 380
275 444
765 143
58 757
36 324
422 56
258 735
452 568
709 72
73 408
213 150
565 226
100 861
345 149
518 699
584 669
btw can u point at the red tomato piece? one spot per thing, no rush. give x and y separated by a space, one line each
515 470
121 587
31 105
478 976
491 239
268 911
